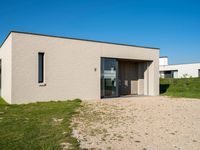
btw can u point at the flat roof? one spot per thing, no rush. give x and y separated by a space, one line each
78 39
181 64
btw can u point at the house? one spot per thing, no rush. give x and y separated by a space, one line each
36 67
178 70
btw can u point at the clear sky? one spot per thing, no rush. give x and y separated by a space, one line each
171 25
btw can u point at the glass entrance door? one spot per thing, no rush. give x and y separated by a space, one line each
109 71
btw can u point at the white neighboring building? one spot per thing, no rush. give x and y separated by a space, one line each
178 70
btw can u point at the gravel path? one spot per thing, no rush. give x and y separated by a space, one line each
144 123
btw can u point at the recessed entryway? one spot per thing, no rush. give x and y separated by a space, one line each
121 77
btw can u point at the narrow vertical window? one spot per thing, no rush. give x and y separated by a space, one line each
40 67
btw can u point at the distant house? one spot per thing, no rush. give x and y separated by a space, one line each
36 67
178 70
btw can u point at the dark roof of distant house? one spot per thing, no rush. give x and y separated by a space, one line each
78 39
163 56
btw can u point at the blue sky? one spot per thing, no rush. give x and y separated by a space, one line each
171 25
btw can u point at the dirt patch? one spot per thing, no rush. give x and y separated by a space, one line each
139 123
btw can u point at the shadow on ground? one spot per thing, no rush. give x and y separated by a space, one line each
163 88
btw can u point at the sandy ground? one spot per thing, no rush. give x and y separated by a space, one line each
143 123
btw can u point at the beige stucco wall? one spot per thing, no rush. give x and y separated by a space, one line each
6 72
69 67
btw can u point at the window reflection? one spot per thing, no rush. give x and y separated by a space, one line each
108 77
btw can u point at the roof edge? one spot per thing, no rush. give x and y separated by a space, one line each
5 39
192 63
64 37
163 57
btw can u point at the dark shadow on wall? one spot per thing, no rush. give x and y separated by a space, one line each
163 88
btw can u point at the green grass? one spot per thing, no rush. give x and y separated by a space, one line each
184 87
35 126
2 101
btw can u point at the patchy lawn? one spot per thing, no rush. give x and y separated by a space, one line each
184 87
44 125
141 123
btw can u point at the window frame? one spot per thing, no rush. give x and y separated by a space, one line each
41 67
199 72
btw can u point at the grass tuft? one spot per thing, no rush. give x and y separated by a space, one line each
2 101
